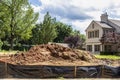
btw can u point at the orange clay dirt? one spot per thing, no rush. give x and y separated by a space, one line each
53 54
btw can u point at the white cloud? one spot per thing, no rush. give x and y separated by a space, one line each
89 8
38 10
81 26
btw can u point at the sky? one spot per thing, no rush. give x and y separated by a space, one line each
77 13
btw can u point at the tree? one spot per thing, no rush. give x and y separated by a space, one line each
76 32
36 34
111 38
19 19
63 31
47 29
2 20
74 41
1 43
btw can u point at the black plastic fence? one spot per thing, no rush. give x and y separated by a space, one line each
38 71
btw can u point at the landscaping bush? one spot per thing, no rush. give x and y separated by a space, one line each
20 48
109 53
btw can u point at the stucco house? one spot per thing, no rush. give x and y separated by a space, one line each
97 29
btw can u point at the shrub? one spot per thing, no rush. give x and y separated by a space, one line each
109 53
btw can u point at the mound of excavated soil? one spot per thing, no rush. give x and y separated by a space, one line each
53 54
50 52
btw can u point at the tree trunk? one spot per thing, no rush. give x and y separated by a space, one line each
11 43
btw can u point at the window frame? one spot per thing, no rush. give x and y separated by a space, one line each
89 47
93 34
97 48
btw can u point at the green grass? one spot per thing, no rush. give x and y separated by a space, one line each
107 57
4 52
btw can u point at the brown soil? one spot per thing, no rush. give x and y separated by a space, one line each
53 54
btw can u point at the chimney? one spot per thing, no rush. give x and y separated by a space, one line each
104 17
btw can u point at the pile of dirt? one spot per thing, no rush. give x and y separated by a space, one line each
50 52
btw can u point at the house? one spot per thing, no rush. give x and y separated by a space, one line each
95 32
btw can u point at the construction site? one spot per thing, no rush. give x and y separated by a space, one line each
53 61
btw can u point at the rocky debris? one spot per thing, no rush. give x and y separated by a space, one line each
50 52
110 62
53 54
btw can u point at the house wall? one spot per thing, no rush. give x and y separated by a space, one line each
96 27
93 47
94 41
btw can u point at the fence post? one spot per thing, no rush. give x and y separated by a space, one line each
102 71
6 70
75 71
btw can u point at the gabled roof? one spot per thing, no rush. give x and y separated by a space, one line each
117 22
103 25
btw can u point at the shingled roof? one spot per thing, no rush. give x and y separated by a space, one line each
117 22
108 25
103 25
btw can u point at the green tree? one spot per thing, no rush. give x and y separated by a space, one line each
47 31
1 43
2 20
36 32
83 37
77 32
18 19
63 30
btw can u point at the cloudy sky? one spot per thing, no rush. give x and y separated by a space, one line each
77 13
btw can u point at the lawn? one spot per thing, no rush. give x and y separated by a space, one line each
107 57
4 52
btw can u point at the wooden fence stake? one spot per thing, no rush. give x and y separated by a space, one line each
102 71
6 71
75 70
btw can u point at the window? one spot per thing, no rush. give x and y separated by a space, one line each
90 34
97 33
108 48
93 34
97 47
89 47
107 30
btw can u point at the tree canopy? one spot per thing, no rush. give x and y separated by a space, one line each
63 30
18 19
18 25
45 31
51 30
